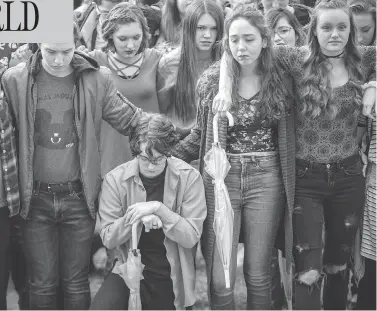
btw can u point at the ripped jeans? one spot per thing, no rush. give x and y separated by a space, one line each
332 195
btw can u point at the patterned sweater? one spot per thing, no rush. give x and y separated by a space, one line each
322 139
199 142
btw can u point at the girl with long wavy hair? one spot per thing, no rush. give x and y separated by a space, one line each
260 148
328 75
202 30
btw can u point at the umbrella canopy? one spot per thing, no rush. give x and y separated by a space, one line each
131 272
217 166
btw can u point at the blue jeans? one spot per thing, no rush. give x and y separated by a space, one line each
58 238
5 224
257 196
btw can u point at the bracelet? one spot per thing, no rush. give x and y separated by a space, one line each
369 84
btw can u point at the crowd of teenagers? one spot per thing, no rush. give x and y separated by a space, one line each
112 129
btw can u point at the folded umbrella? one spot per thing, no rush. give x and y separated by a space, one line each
131 272
217 166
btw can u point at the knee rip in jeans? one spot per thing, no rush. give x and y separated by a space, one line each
334 269
310 277
302 247
297 210
346 248
350 221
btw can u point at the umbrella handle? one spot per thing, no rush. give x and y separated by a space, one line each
134 235
216 125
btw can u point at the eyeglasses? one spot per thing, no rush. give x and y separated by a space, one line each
156 161
282 31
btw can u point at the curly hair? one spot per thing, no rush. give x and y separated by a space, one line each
275 14
122 14
317 96
156 131
364 6
184 92
272 101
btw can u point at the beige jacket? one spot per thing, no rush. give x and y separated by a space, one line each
182 213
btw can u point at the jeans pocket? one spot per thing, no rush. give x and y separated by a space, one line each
354 169
268 165
77 195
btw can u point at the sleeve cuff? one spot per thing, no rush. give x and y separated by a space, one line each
167 216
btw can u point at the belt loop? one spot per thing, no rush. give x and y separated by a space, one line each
71 192
253 158
339 164
37 186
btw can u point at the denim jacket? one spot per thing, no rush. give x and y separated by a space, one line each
182 213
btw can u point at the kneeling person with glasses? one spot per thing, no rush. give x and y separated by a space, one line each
167 196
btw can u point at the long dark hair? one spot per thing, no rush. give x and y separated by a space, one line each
187 76
317 97
273 92
171 22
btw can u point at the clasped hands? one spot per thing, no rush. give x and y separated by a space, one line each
144 211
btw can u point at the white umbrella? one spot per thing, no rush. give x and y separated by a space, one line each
217 166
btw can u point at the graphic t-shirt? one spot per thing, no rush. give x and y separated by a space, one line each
56 156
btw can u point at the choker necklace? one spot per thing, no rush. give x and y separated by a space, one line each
119 69
335 56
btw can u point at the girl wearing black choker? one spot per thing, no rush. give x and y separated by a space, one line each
328 75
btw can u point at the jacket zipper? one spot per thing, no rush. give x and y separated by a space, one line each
33 113
78 136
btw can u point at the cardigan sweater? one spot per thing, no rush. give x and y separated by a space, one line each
199 142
